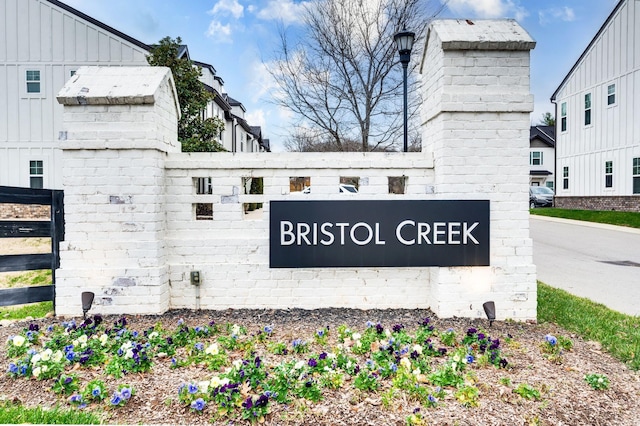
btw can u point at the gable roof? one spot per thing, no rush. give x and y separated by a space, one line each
591 43
100 24
546 134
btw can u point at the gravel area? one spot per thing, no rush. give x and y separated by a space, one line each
566 399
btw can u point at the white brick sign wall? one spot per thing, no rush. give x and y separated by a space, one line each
141 216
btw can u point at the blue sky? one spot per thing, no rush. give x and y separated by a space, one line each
238 36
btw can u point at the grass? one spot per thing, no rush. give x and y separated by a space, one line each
16 414
34 310
25 279
618 333
629 219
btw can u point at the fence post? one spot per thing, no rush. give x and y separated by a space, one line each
120 122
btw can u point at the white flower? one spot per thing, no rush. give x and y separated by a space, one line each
212 349
358 344
46 354
57 356
237 363
387 333
203 386
299 365
18 340
215 382
35 358
126 346
456 358
235 330
332 356
418 349
103 339
83 340
416 372
153 335
356 336
36 372
128 354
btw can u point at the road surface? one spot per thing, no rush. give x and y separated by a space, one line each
599 262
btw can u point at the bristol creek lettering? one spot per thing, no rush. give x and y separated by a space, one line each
407 232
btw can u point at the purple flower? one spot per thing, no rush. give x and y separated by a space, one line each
551 339
75 398
394 367
323 355
425 322
68 380
13 369
481 336
126 393
192 388
248 403
416 410
320 333
199 346
443 351
312 363
96 392
261 401
398 328
503 363
379 328
414 355
257 362
471 331
34 327
432 399
198 404
116 399
268 329
470 359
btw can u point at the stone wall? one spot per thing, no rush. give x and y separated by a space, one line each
141 216
629 203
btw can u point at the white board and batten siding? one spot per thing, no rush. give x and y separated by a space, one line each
612 59
37 35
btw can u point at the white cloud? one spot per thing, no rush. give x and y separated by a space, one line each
488 8
257 118
564 14
220 33
285 10
227 7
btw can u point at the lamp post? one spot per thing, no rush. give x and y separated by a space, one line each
404 41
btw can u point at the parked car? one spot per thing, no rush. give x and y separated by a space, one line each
343 188
540 196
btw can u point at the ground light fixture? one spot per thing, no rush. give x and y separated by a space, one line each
404 42
490 311
87 301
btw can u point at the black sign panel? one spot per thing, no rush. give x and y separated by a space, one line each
366 233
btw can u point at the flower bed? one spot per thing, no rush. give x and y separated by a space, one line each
228 371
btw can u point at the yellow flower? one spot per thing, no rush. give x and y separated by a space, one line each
18 341
404 362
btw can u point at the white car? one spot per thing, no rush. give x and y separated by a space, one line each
344 188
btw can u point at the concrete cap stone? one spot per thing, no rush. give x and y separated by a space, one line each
115 86
481 34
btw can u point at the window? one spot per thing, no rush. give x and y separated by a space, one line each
550 185
535 158
563 117
608 174
565 177
36 174
636 175
587 109
611 94
33 81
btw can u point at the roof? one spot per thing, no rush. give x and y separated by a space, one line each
234 102
218 98
266 145
591 43
100 24
540 173
204 65
546 134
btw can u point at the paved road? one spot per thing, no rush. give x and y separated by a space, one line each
599 262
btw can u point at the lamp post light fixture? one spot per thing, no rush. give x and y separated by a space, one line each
404 41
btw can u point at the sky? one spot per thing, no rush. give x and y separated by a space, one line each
238 37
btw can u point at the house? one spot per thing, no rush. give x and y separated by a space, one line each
597 125
542 142
44 43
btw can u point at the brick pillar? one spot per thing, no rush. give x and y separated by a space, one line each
476 126
120 122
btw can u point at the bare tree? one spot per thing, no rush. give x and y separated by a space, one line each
343 79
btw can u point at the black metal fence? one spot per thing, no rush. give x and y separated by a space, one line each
19 228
